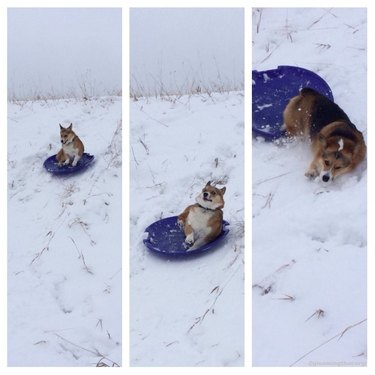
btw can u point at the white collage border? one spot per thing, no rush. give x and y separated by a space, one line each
126 5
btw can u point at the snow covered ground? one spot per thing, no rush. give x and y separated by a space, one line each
309 240
186 312
64 237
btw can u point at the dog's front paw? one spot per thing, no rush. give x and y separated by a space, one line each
311 174
189 240
66 162
180 223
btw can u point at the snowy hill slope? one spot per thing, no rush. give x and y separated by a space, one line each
186 312
64 237
310 240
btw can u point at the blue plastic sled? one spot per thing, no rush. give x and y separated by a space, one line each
272 89
166 238
52 166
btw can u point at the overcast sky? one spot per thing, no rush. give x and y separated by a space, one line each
76 51
63 51
178 49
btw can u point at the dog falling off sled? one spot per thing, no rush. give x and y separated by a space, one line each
71 147
337 145
202 222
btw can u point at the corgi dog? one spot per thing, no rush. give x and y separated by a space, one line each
202 222
337 145
72 147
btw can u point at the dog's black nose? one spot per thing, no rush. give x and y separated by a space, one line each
325 178
205 194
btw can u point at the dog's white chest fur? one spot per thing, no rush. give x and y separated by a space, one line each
198 219
70 150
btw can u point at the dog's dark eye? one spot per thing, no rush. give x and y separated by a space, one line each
213 193
338 167
326 162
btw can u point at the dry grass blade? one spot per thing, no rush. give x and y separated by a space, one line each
270 54
319 313
216 289
287 298
198 320
80 254
85 227
323 46
260 11
268 201
134 158
270 179
144 146
103 364
339 335
219 290
94 352
329 11
153 119
264 290
287 265
38 255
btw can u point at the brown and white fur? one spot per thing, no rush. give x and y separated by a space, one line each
202 222
72 147
337 145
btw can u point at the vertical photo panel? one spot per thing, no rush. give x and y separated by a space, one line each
186 187
64 187
309 105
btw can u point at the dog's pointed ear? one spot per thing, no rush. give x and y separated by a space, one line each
70 126
223 190
61 127
208 183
